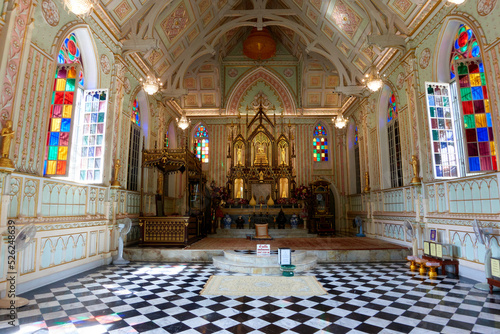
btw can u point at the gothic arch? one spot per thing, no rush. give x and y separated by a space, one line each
441 58
252 77
87 48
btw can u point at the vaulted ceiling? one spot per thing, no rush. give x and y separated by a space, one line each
169 37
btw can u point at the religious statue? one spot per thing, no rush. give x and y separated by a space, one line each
415 165
238 161
261 176
240 222
283 193
116 183
7 135
261 157
283 155
281 219
367 182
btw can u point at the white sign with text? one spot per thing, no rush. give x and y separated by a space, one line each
263 249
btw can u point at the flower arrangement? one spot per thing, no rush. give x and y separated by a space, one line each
302 192
219 193
282 200
230 201
243 201
293 201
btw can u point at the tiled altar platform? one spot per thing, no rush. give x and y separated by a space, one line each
327 250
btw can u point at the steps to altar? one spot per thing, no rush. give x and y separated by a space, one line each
274 233
262 265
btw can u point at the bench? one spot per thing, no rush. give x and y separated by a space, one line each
443 263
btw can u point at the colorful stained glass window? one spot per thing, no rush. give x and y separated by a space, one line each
166 139
392 111
133 158
320 144
62 109
201 143
465 46
136 113
476 112
92 127
356 136
394 138
442 130
69 53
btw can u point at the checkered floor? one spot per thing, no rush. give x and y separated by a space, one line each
164 298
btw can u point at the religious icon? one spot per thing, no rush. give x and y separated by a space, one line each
7 135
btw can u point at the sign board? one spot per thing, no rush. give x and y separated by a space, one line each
263 249
433 249
426 248
495 268
433 235
285 256
439 251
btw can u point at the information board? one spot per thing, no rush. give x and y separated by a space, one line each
285 256
439 251
433 249
426 248
495 268
263 249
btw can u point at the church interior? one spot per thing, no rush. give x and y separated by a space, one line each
148 147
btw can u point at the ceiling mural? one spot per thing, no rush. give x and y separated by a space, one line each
170 37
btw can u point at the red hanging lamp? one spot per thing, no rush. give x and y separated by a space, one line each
259 45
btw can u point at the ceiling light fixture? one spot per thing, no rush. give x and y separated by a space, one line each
151 85
340 122
457 2
373 81
80 7
184 122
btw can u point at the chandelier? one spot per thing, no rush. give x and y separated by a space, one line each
340 122
183 123
373 81
151 85
80 7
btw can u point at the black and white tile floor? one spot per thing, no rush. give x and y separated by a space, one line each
164 298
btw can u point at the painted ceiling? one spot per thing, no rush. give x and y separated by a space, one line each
172 38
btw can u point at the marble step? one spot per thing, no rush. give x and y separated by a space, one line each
262 265
274 233
238 257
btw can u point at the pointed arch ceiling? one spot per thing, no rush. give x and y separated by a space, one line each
168 36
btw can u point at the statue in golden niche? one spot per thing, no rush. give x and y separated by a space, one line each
283 155
260 156
238 160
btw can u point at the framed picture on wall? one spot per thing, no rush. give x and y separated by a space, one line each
433 235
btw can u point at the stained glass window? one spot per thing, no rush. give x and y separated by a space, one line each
320 144
356 136
392 111
69 53
91 150
394 138
442 130
62 110
133 158
201 143
136 113
357 164
476 112
464 46
166 139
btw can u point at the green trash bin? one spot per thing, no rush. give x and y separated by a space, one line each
288 270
